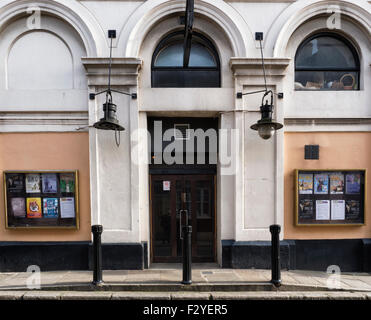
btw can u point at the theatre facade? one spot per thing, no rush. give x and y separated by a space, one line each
188 154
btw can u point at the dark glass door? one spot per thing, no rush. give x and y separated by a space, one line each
178 200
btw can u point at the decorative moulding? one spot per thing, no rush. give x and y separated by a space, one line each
253 66
125 71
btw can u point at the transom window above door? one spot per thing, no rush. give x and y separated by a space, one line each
168 70
326 62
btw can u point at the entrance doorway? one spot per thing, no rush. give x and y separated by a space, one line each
177 200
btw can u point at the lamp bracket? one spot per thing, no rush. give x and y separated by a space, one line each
92 96
240 94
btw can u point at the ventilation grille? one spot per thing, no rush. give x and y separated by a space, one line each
311 152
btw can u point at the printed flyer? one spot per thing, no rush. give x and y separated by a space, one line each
306 209
18 207
15 183
33 183
322 209
67 182
34 208
337 209
336 183
352 209
50 206
305 183
353 183
49 182
321 184
67 207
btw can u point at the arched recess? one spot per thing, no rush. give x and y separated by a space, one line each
303 11
311 20
59 82
45 58
70 11
152 12
202 25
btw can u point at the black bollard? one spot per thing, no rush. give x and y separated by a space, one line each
97 254
276 263
187 255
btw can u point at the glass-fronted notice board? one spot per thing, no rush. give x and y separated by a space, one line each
41 199
330 197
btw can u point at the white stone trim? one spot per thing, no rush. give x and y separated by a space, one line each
43 121
152 11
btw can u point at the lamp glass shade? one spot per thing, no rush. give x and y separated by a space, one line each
266 131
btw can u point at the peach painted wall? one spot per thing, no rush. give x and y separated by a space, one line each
350 150
47 151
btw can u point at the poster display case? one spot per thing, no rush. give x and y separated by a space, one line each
41 199
330 197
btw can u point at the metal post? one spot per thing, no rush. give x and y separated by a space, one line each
97 254
187 255
276 263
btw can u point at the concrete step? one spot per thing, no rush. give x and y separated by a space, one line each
174 287
182 295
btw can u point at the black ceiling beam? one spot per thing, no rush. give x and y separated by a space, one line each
188 31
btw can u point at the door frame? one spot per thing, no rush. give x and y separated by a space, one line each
213 177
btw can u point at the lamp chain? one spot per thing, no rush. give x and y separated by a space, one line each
261 52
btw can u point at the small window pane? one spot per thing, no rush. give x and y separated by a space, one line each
170 56
325 52
201 57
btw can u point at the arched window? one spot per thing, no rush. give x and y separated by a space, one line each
168 70
326 62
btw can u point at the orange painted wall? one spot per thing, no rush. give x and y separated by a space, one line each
47 151
350 150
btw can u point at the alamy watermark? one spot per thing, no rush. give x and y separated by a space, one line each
334 277
33 281
34 20
194 146
334 20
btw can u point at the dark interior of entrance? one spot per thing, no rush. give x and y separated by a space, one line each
183 193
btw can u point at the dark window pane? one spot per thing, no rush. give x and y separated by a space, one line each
326 62
185 78
325 52
167 63
326 80
172 56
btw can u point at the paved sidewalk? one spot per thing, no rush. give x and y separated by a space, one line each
163 282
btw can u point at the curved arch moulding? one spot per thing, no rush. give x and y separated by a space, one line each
72 12
302 11
153 11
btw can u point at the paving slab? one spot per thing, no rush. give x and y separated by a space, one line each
356 283
256 295
300 279
42 295
127 295
346 295
220 276
96 295
190 296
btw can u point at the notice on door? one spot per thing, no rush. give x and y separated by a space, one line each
166 185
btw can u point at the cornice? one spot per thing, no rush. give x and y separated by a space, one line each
125 71
253 66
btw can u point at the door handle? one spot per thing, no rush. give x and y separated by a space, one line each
180 223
